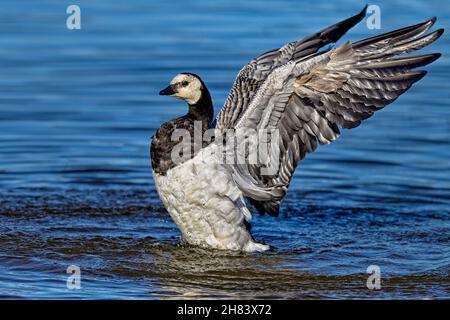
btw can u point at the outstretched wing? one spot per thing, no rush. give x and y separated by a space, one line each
308 99
256 71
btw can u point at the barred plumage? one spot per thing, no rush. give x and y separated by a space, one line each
337 87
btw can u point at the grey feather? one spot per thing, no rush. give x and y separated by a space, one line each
307 95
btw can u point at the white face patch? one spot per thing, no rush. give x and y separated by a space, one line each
187 87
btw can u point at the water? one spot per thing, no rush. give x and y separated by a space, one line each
78 108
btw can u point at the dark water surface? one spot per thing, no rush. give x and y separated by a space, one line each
78 108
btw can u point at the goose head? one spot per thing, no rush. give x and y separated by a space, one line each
186 86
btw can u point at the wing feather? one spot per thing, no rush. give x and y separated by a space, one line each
307 99
252 75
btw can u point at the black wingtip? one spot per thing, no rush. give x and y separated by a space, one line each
360 15
420 75
357 18
430 22
364 10
435 56
335 32
439 32
430 57
427 59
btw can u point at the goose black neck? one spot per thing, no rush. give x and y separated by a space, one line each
203 109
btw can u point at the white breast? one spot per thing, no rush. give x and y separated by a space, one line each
206 204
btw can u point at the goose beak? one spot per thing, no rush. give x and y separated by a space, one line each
167 91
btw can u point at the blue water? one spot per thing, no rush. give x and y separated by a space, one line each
78 108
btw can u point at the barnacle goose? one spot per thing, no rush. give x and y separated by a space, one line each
303 91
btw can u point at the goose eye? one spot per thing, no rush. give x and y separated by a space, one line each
184 83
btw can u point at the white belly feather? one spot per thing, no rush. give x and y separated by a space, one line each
206 205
